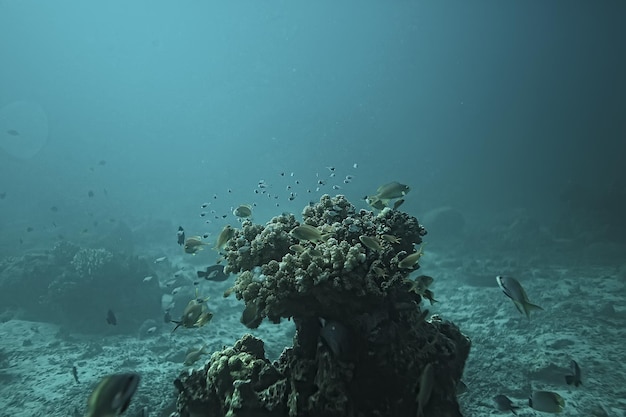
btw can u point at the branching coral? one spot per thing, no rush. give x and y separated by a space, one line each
89 263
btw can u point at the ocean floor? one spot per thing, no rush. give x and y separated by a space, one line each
584 319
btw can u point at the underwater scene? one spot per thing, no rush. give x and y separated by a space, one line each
312 209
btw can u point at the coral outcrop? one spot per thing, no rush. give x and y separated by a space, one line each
363 339
75 287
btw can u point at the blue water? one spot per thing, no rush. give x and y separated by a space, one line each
482 106
153 109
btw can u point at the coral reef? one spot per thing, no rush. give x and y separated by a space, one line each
362 339
75 287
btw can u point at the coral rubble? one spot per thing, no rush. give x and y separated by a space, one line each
362 337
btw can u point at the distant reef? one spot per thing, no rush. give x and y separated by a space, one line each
75 287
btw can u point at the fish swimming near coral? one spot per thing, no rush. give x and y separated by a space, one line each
420 286
225 235
427 380
574 378
514 290
193 356
195 314
387 192
307 232
243 211
337 337
112 395
392 190
213 273
251 316
398 203
193 245
412 259
371 242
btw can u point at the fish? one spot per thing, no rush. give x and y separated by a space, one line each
167 317
546 401
391 238
250 317
243 211
112 395
75 374
297 248
225 235
503 403
420 286
111 319
3 195
193 245
430 296
411 260
159 260
195 314
204 318
371 242
54 209
392 190
306 232
213 273
13 132
180 235
513 289
337 337
193 356
427 380
90 194
102 162
376 202
574 379
398 203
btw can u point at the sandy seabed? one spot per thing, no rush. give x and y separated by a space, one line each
584 319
